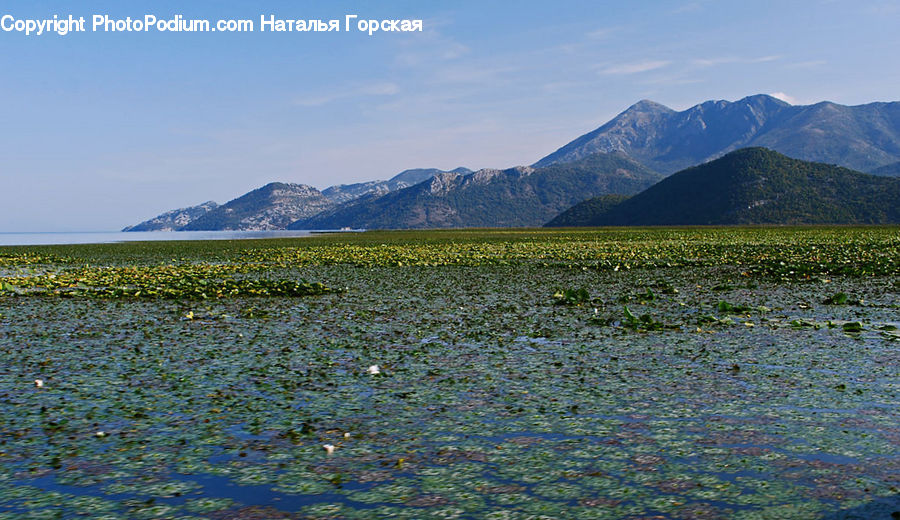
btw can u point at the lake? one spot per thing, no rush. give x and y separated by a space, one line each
104 237
673 374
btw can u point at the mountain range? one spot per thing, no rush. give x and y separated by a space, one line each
637 148
750 186
522 196
174 220
863 137
347 192
276 205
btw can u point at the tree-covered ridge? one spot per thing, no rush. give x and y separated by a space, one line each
759 186
586 211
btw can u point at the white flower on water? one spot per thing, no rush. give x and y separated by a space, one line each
100 434
329 448
39 383
346 435
374 370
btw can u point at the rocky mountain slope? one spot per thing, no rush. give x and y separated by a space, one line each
522 196
273 206
347 192
174 220
888 170
861 137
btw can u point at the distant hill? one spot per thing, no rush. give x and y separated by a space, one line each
273 206
888 170
347 192
587 211
520 196
175 219
861 137
758 186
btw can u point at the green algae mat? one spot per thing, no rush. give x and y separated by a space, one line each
510 374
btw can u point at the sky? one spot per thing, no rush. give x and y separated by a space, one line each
99 130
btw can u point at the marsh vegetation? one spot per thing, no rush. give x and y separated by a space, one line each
642 373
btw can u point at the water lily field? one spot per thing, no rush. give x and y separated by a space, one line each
696 373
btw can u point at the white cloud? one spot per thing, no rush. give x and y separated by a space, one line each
712 62
784 97
430 47
454 50
380 89
372 89
602 33
725 60
635 68
883 9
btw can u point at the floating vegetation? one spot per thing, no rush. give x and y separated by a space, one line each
853 326
728 308
441 383
30 258
782 253
578 296
190 281
644 322
837 299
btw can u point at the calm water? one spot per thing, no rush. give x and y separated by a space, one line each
102 237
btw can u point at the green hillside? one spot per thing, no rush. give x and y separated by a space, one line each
756 186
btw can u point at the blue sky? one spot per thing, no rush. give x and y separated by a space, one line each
101 130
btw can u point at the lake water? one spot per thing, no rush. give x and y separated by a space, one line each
103 237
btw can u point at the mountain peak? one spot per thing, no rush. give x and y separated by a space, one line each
645 106
285 186
863 137
443 182
272 206
417 175
763 98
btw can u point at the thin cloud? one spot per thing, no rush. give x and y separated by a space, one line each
485 73
431 46
602 33
672 80
380 89
883 8
372 89
635 68
454 50
727 60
